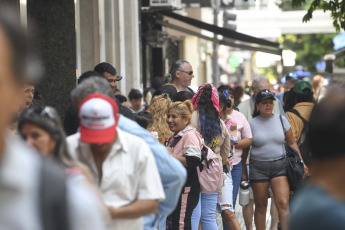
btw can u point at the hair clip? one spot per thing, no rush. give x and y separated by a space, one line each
226 95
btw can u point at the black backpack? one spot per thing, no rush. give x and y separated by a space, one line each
304 140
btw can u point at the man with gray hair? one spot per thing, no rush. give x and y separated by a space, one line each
172 173
247 108
180 75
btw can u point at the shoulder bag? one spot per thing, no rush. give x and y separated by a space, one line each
294 164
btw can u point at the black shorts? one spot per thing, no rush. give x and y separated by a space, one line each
264 171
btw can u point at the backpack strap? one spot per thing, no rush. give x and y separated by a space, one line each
53 198
281 121
177 139
294 111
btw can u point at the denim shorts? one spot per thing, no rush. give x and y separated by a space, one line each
264 171
226 195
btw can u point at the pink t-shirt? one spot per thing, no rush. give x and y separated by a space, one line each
243 131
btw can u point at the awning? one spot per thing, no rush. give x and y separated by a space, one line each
241 41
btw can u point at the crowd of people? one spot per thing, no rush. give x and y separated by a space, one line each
141 163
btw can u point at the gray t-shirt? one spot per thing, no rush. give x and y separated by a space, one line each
268 138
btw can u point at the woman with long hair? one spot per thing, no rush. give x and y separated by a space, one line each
267 159
159 108
226 196
42 129
185 145
244 140
213 130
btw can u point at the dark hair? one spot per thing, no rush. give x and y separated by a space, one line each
170 90
291 98
105 67
256 112
208 116
25 64
144 119
183 96
87 75
134 94
227 89
327 126
222 101
157 83
121 98
177 66
47 119
238 94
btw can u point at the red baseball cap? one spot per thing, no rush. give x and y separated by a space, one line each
98 116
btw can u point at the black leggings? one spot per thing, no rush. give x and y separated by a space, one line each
180 219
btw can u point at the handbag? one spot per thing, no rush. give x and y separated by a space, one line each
294 164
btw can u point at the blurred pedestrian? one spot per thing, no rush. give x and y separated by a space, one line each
318 87
320 203
185 145
290 80
28 91
34 194
240 95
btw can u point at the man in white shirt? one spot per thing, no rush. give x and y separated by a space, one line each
122 164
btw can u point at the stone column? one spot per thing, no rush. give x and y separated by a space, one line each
89 34
54 21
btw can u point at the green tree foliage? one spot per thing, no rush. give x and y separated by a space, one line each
310 48
336 7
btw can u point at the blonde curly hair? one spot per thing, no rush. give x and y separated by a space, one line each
185 109
159 109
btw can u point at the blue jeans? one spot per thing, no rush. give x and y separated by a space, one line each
205 212
236 174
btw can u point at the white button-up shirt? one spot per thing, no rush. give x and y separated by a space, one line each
129 173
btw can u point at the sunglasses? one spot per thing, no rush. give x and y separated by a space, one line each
189 73
45 112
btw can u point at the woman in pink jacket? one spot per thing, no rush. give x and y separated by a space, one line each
185 145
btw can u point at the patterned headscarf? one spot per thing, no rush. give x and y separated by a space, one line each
214 97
